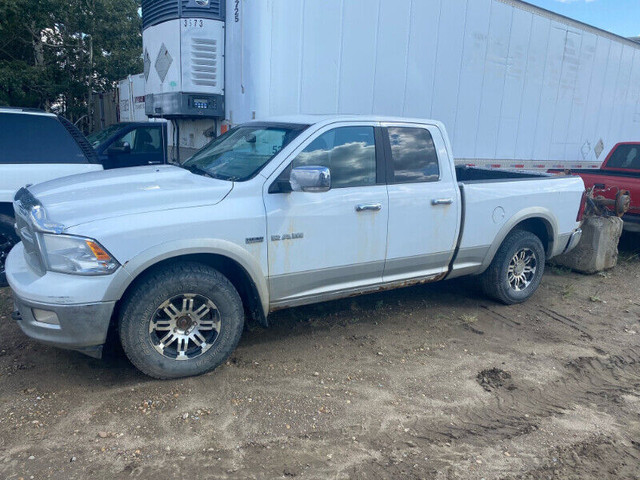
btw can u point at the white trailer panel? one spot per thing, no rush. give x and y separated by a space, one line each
513 83
132 99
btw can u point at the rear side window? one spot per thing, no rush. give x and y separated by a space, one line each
625 156
36 139
414 155
349 152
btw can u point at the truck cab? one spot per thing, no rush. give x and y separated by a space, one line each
620 172
131 144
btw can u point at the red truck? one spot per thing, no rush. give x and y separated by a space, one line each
620 171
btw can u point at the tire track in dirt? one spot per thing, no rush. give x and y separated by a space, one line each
558 317
509 322
517 411
588 459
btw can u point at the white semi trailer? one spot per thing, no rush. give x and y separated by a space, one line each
516 85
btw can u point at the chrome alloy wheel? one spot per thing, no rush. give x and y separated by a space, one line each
185 326
522 269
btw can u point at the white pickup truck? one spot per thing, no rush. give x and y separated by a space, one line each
271 215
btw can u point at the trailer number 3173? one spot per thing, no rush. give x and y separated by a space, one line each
193 22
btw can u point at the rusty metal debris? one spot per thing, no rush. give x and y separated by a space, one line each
599 205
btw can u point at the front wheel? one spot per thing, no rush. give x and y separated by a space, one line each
516 270
180 321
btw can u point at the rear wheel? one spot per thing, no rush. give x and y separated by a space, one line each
516 270
8 239
182 320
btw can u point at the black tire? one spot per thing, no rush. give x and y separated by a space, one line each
142 321
8 239
515 286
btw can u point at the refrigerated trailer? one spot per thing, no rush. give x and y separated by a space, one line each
516 85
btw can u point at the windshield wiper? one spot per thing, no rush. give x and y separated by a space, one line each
197 170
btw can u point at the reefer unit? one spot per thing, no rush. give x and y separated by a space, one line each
183 48
514 84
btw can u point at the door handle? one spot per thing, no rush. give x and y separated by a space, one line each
441 201
369 207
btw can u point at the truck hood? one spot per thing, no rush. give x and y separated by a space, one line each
88 197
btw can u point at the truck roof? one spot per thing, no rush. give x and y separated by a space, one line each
321 120
28 111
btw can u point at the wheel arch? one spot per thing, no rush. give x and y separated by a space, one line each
240 268
538 221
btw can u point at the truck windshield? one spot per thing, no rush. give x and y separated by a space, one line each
242 152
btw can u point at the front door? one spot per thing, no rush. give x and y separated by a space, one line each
320 243
139 146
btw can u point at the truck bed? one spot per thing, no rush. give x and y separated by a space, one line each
495 201
466 174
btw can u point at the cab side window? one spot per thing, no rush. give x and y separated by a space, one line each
349 152
142 140
414 155
147 140
129 138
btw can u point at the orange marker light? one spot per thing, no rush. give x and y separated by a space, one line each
98 251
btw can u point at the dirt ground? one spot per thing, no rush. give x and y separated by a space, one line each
427 382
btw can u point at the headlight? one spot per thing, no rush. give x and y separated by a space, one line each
82 256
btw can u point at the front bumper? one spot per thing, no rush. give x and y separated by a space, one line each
631 222
76 310
76 327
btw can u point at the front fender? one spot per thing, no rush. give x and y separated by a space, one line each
147 258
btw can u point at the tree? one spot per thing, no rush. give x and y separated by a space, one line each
54 53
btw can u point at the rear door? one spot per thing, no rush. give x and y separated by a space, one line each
319 243
424 202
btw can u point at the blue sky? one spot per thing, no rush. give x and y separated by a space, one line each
618 16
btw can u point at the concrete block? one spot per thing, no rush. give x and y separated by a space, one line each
598 248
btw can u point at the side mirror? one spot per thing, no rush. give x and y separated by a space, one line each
119 149
310 179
